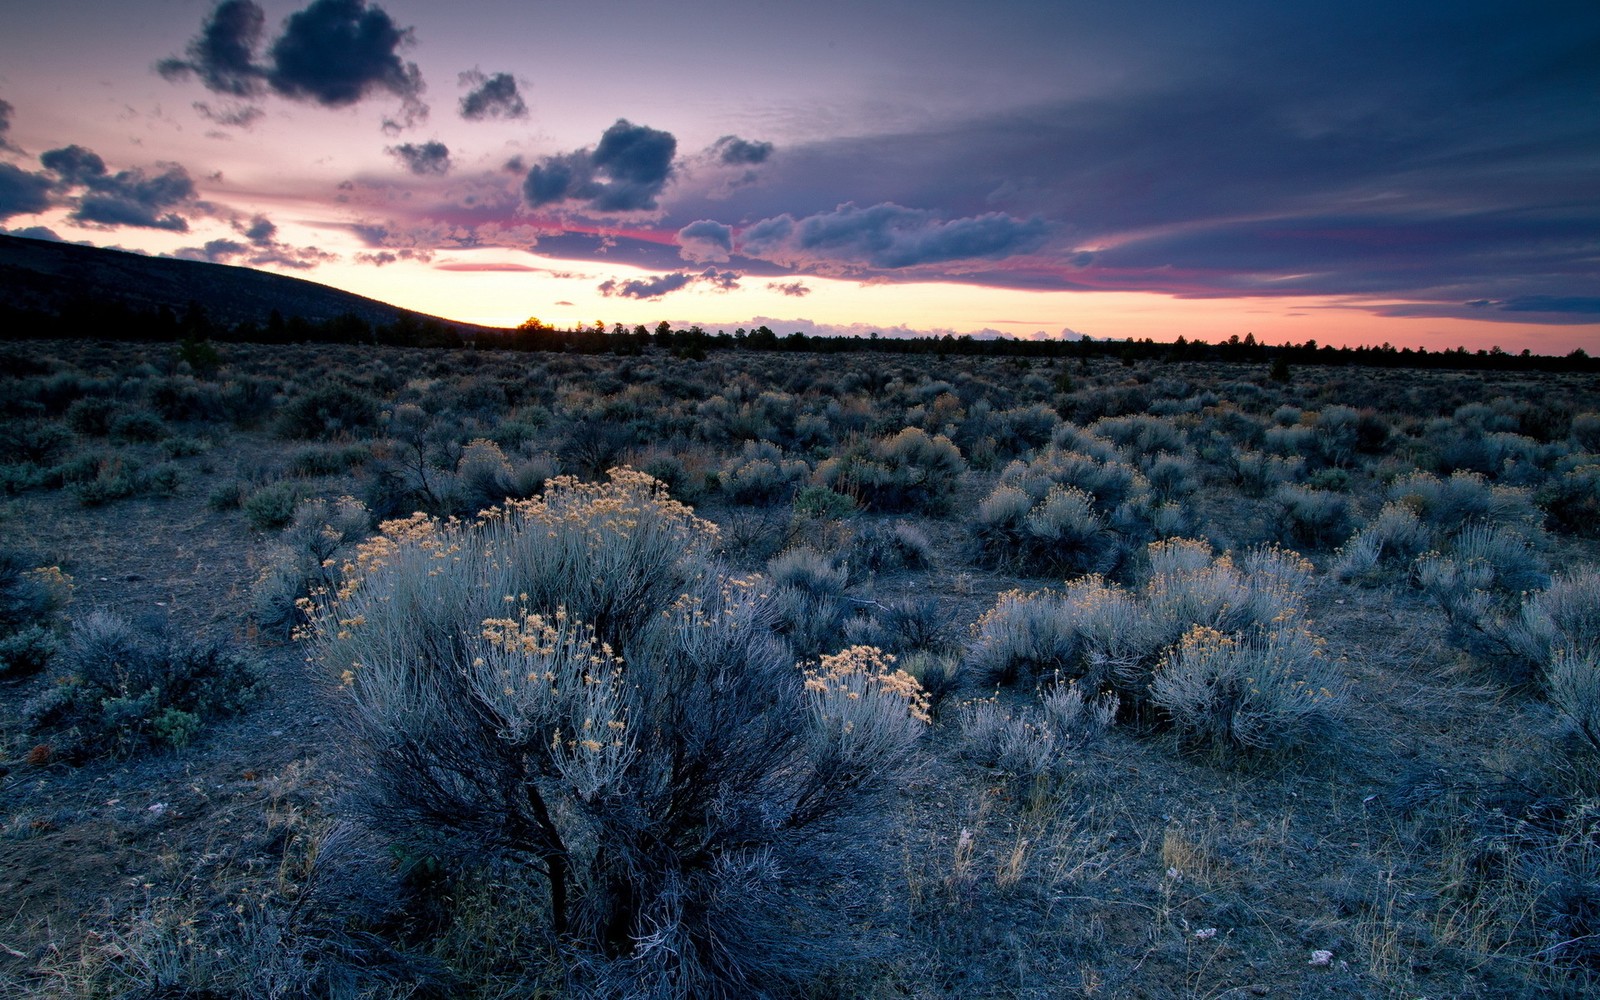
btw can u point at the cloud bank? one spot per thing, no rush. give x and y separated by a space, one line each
888 236
131 197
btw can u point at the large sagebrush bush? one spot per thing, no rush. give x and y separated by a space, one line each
1270 689
569 695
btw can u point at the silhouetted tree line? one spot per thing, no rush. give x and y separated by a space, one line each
92 318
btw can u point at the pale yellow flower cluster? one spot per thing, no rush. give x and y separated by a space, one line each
536 635
850 671
610 508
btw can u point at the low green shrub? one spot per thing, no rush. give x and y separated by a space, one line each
91 416
910 470
1312 517
114 478
137 427
822 503
328 410
328 460
272 506
123 689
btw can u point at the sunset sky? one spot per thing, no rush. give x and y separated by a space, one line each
1416 173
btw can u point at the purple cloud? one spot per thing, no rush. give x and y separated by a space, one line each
126 198
625 173
491 97
333 53
888 236
645 288
730 150
22 193
705 241
423 159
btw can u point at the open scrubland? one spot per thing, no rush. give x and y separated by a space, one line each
382 672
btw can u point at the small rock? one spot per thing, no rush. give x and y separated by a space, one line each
157 808
1205 933
1321 957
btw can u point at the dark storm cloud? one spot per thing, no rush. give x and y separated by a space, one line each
223 54
75 164
333 53
734 151
645 288
1450 259
22 193
625 173
125 198
705 241
491 97
423 159
888 236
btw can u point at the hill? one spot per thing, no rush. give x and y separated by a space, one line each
58 279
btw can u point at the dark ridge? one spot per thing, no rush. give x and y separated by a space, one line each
50 279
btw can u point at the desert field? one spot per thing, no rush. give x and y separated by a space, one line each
358 671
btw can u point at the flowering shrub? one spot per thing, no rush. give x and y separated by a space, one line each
1146 645
306 559
1385 548
1086 630
1267 690
567 692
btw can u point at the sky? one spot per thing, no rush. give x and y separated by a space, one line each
1412 173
